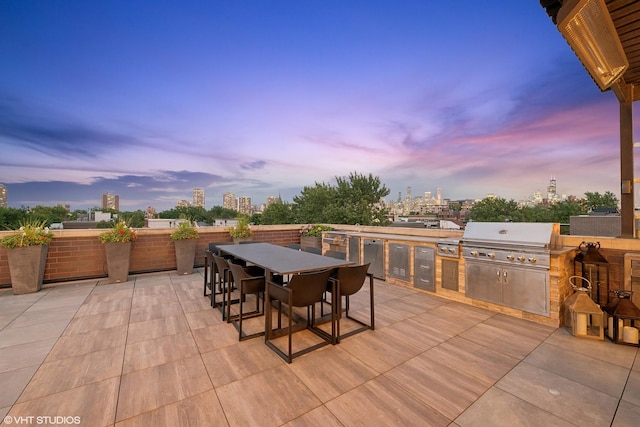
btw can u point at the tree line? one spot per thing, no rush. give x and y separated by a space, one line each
354 199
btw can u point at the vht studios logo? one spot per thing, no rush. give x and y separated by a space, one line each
42 419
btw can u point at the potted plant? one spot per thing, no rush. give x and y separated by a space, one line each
312 235
117 246
185 238
241 231
27 251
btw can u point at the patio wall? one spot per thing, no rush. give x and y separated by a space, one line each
78 254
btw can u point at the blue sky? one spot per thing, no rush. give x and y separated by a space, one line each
149 99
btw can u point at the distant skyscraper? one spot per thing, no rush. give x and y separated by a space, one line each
439 195
3 196
244 205
111 201
183 204
198 198
409 196
229 201
551 190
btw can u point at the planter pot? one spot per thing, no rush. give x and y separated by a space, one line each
26 266
311 242
238 240
185 255
118 255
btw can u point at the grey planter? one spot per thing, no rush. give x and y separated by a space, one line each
118 258
185 255
26 266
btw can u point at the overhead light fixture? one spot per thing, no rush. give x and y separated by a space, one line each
589 30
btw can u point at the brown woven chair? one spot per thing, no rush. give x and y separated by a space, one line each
247 284
302 290
224 284
349 280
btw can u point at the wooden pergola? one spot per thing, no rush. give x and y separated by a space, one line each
625 15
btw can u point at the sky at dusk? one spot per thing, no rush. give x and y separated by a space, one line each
149 99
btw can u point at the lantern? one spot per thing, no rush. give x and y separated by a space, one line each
623 319
594 268
582 316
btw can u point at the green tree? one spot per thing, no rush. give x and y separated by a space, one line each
597 200
494 209
278 213
562 211
357 200
313 202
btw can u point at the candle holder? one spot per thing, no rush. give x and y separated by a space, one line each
582 316
623 319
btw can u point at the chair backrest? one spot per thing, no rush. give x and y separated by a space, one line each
237 271
312 250
351 278
336 254
213 247
308 288
221 263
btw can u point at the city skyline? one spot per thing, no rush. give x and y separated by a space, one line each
152 99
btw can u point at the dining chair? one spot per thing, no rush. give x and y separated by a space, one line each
247 283
302 290
348 281
224 284
336 254
311 249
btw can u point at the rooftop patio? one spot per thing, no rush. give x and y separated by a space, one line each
153 352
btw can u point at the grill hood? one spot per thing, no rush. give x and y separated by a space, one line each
534 234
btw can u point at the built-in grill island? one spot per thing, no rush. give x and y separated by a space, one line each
507 263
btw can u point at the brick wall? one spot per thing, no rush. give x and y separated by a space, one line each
78 254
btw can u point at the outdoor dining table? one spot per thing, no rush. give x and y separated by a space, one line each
280 260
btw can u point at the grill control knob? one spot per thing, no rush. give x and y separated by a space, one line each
474 253
521 258
452 250
511 257
533 260
491 255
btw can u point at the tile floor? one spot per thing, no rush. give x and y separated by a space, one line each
153 352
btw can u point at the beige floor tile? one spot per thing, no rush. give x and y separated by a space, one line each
94 308
80 325
93 404
27 334
380 402
60 375
330 371
23 355
520 327
607 351
201 410
562 397
110 293
233 363
195 304
601 376
157 351
35 317
508 342
379 349
215 337
150 389
417 334
497 408
202 319
151 300
632 389
438 385
320 416
627 415
88 342
142 314
283 395
13 383
486 363
156 328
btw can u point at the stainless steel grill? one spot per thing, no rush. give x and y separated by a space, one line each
507 263
449 248
515 243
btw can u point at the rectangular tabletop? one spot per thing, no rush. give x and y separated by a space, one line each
281 260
